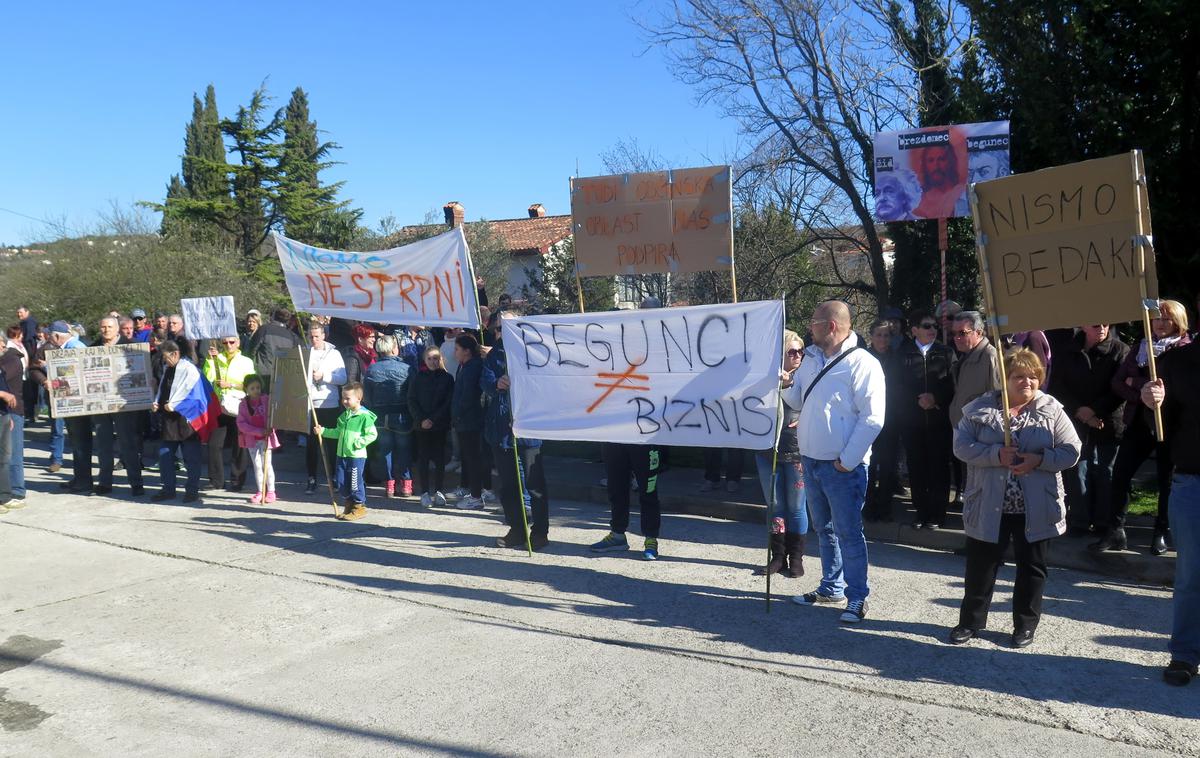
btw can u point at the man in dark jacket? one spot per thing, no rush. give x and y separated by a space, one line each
1083 372
268 341
466 416
497 431
125 425
29 330
1175 390
12 435
925 387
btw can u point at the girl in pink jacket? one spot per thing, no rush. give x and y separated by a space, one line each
255 436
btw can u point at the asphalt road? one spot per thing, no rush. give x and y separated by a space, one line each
229 629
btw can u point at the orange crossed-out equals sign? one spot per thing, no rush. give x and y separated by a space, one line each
617 382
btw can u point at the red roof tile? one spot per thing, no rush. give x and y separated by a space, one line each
522 236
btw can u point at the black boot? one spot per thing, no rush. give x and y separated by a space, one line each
1158 545
778 561
1112 541
794 544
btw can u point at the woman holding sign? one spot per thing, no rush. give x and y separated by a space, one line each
1014 493
1170 330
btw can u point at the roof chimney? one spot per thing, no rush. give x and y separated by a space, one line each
455 213
537 210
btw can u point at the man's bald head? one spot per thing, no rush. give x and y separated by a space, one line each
835 311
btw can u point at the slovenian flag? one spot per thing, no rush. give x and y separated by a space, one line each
201 408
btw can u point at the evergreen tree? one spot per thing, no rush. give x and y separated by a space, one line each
916 271
310 210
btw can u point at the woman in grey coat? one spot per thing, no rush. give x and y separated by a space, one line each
1013 493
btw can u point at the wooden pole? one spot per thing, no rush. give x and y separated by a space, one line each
732 260
312 412
578 279
943 243
1140 242
993 317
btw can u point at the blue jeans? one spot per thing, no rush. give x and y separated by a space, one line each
395 445
349 479
191 460
16 466
1185 528
835 500
57 438
790 501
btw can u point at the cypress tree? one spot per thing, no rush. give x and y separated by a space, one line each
310 211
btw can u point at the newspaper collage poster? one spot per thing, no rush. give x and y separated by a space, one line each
90 380
924 173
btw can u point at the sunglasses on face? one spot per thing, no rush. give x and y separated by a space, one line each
962 333
229 342
793 353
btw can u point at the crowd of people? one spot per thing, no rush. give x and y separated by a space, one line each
395 405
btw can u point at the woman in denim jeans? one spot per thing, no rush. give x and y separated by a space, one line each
789 517
385 392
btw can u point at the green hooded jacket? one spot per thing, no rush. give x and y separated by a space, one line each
354 431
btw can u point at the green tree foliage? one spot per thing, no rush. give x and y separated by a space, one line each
1092 78
273 183
310 210
948 92
83 278
554 289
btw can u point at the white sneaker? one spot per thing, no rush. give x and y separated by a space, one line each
15 504
489 497
469 503
459 494
426 500
439 500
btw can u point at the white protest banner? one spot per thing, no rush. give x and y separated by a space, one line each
677 221
427 283
703 376
923 173
209 318
89 380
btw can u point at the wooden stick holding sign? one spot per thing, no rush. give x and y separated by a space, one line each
1141 241
312 412
992 318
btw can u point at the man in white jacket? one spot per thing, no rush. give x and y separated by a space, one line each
839 389
328 371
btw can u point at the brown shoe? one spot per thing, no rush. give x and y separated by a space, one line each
355 512
54 468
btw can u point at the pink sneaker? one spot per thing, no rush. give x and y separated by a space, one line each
270 497
406 488
256 498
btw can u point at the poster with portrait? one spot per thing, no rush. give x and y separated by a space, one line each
923 173
89 380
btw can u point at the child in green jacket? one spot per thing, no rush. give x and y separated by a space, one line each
354 431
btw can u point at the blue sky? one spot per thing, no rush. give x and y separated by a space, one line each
487 103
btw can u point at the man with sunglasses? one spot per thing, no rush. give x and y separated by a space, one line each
226 369
926 388
141 327
978 368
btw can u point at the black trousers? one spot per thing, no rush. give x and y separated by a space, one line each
327 417
226 435
984 560
79 430
927 449
470 454
533 477
1136 446
126 427
734 462
431 449
643 462
883 473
